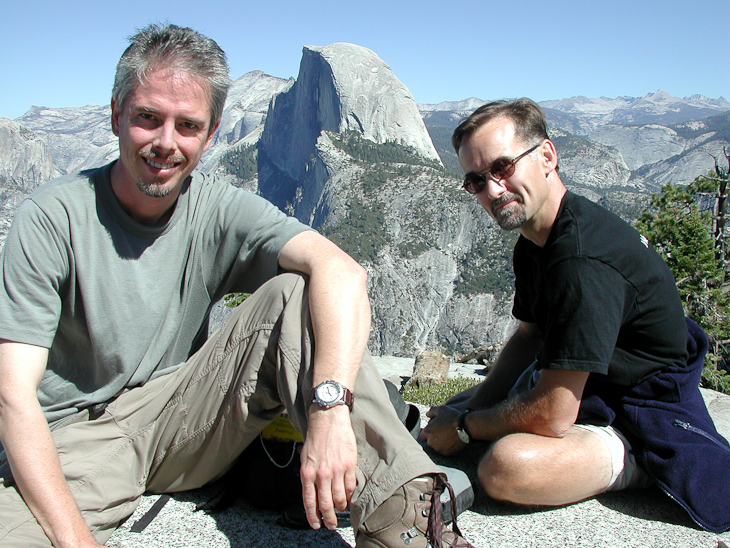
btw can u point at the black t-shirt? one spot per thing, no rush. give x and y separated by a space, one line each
605 302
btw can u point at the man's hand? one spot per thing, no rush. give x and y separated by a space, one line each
329 460
440 432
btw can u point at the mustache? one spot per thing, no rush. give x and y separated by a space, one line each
504 198
149 155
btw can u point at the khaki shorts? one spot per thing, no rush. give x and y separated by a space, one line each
626 473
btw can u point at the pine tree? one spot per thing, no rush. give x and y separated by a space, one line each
682 233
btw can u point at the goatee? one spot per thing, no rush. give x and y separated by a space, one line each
512 216
154 190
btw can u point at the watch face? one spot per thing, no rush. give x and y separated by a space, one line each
463 436
328 392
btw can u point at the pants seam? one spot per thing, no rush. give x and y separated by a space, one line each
235 343
215 364
87 478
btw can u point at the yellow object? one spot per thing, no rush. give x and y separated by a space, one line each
281 429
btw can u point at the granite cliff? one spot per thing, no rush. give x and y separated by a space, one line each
340 88
25 161
346 151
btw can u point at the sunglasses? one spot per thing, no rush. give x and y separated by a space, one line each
502 168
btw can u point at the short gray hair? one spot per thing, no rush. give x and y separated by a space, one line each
179 48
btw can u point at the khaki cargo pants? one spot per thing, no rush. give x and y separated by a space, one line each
184 429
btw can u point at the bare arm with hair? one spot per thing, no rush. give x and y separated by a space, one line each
548 410
516 356
31 452
340 312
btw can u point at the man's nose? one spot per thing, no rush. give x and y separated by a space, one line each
165 139
494 189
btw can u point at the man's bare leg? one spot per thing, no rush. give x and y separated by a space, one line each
537 470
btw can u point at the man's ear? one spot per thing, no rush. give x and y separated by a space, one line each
549 156
115 118
213 128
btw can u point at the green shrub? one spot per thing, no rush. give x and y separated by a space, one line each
432 393
682 234
487 268
366 152
232 300
360 233
714 378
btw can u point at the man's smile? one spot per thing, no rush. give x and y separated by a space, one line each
158 165
168 163
505 200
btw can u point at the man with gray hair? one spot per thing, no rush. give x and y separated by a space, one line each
598 388
109 386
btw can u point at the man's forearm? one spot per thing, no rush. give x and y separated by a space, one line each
547 410
37 472
507 417
30 449
340 312
338 303
516 356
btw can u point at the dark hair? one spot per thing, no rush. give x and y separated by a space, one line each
179 48
528 117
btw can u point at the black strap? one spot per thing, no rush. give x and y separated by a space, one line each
140 525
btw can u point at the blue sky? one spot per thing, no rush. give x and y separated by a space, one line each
60 54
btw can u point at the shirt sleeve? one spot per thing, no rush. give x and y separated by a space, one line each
35 263
250 233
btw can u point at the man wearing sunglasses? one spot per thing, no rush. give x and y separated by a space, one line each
595 391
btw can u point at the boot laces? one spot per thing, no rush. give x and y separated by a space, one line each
435 530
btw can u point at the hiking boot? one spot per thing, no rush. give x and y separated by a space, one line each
412 517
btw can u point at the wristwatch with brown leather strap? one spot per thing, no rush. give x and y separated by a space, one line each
330 393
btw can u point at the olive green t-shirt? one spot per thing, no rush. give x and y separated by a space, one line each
117 302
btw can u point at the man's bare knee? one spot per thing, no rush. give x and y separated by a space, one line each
505 471
535 470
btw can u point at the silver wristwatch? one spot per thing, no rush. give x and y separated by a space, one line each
461 427
330 393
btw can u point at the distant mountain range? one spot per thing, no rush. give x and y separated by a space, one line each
653 108
344 148
648 140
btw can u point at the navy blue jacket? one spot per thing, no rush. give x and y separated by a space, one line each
673 435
